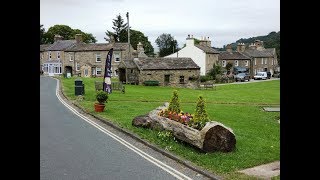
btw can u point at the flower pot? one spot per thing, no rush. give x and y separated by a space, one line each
99 107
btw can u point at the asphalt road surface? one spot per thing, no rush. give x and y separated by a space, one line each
72 148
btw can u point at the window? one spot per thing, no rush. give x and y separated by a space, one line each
70 57
223 63
58 54
116 72
85 72
98 70
261 60
265 60
45 68
132 71
272 62
255 61
98 58
181 79
49 55
116 57
255 71
247 63
77 66
236 63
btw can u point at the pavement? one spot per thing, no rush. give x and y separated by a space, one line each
265 171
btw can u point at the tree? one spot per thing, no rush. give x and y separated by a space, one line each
135 38
42 32
118 26
216 69
167 44
68 33
228 67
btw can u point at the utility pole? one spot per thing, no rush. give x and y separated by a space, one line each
128 35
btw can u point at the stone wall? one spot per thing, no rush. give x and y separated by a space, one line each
210 60
174 80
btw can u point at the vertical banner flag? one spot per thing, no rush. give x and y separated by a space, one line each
107 73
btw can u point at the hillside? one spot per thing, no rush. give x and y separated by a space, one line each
272 40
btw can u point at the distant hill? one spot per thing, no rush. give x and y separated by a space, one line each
272 40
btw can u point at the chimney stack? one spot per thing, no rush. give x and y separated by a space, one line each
252 46
229 48
78 38
208 42
57 37
258 44
241 47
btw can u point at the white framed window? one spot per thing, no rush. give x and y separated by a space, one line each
98 71
49 55
272 62
265 60
45 68
224 63
85 72
255 61
98 57
77 66
70 57
255 71
246 63
236 63
116 57
261 60
58 54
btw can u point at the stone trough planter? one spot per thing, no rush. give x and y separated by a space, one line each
213 137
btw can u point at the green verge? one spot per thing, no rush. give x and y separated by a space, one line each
238 106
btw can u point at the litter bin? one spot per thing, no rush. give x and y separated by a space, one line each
78 87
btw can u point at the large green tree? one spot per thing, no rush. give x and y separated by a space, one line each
167 44
68 33
118 26
135 38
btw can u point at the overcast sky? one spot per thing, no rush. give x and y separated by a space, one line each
224 21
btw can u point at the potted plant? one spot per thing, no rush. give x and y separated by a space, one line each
102 98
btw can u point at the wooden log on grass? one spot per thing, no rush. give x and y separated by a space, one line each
214 136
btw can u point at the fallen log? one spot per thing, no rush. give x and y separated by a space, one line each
214 136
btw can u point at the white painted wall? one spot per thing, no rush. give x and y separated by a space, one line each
191 51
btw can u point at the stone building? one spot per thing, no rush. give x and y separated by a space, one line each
237 59
255 58
202 54
78 58
262 59
178 72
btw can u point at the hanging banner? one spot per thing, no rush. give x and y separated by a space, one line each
107 73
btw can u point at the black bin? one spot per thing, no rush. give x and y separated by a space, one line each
78 87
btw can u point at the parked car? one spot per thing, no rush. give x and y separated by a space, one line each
242 77
260 75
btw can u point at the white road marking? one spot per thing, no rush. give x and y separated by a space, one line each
146 156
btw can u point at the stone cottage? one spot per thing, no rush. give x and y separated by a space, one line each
178 72
262 59
202 54
78 58
237 59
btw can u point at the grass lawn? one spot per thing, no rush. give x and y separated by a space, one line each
238 106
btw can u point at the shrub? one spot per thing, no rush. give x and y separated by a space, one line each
204 78
174 105
151 83
200 117
102 97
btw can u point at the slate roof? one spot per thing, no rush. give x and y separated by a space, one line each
129 64
98 47
166 63
90 47
259 53
207 49
61 45
225 55
43 47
